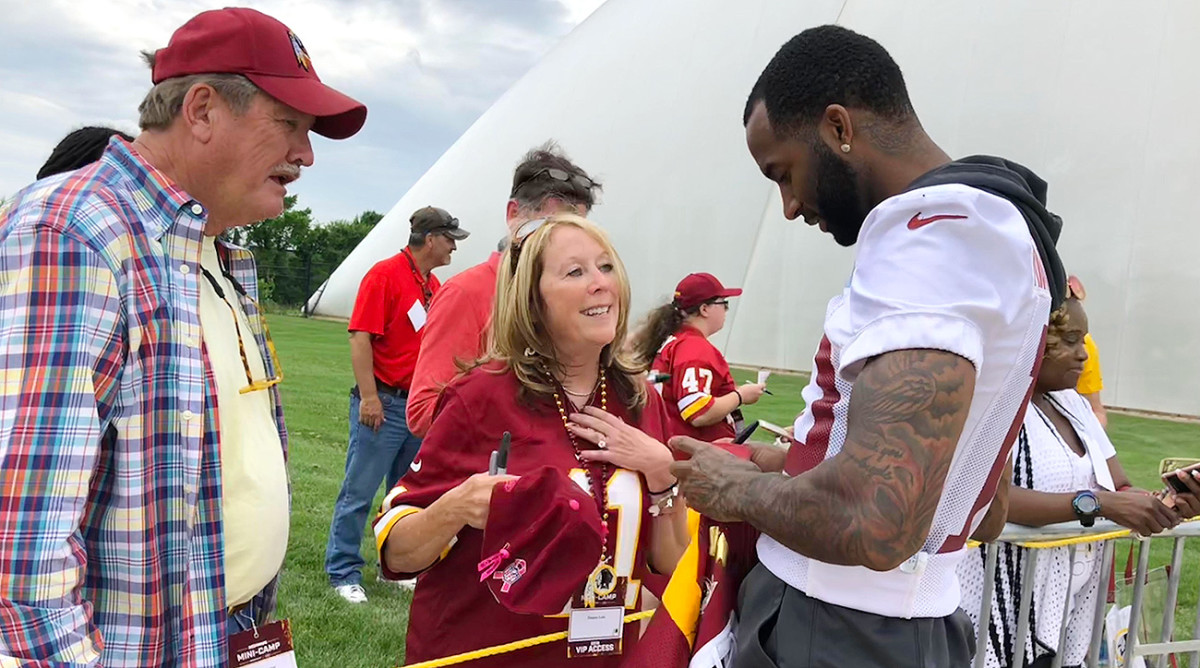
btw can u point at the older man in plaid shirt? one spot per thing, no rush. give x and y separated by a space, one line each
143 494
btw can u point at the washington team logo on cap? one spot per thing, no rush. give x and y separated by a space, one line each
301 53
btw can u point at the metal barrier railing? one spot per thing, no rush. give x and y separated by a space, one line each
1067 534
1070 535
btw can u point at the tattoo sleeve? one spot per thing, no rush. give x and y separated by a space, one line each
873 503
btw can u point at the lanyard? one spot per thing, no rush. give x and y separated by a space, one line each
425 291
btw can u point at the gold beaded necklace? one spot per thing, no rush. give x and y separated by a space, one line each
603 579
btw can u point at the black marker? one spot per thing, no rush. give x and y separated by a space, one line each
502 454
744 434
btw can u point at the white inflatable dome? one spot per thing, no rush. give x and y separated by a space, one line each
1100 97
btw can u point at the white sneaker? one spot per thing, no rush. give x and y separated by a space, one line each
409 584
352 593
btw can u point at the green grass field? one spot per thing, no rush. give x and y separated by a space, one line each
327 631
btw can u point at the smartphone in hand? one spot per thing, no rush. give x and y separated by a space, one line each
744 434
1173 482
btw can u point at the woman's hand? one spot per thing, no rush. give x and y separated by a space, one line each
472 498
1187 504
623 445
417 540
1143 513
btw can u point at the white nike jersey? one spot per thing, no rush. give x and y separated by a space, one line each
951 268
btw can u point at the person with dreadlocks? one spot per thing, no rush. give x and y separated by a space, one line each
78 149
1064 468
702 392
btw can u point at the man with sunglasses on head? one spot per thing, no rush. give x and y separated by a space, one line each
545 183
143 485
386 327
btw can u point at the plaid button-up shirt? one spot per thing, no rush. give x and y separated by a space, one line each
111 544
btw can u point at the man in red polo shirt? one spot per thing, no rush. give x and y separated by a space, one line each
385 334
545 183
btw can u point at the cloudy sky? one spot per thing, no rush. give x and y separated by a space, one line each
426 69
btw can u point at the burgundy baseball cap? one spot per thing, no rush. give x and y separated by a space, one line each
236 40
541 543
695 289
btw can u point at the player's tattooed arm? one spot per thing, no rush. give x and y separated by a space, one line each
871 505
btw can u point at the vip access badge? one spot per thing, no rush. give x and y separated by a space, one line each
267 646
597 616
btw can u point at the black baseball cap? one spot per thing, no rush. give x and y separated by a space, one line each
432 220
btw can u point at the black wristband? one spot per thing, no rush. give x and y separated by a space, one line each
673 486
740 401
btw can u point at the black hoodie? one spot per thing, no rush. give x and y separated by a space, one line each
1026 190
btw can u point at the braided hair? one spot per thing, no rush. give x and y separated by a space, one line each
79 149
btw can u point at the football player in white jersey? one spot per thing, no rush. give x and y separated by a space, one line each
918 385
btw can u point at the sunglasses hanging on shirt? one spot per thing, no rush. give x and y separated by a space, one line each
252 385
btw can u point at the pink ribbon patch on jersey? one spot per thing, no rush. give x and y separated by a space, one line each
510 575
492 563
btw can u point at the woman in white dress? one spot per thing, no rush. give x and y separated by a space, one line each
1064 469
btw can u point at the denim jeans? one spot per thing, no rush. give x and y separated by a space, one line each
248 616
372 457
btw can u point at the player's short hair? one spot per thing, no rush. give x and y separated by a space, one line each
828 65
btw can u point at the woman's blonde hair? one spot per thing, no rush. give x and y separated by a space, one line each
519 317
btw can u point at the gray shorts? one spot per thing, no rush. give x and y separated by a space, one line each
782 627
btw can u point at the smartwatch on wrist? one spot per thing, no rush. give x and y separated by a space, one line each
1086 506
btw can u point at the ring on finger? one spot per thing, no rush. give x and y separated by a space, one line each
602 444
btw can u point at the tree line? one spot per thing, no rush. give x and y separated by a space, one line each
296 254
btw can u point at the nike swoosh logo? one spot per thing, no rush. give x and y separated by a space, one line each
415 466
917 222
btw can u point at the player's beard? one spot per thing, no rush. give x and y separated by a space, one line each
837 196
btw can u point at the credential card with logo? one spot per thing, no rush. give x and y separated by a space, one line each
267 646
597 631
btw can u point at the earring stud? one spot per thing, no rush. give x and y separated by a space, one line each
845 148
